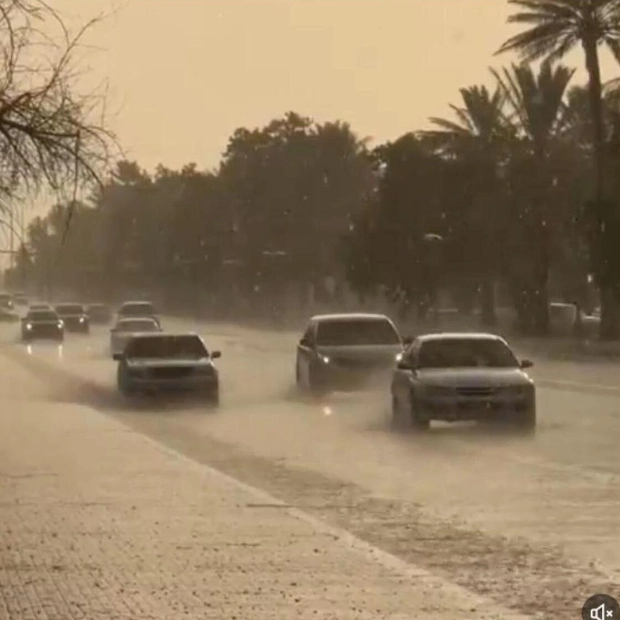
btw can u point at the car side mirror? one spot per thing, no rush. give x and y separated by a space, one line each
117 357
404 365
526 364
113 330
407 340
304 342
216 354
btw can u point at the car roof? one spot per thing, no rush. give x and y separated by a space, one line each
137 301
69 303
133 319
168 334
458 335
365 316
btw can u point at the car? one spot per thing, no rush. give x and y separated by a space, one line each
168 362
345 351
462 376
74 317
6 316
42 324
135 309
6 301
125 329
98 314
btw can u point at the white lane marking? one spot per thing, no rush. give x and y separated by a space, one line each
344 537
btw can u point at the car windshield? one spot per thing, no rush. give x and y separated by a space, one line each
138 309
356 332
466 353
69 309
165 347
137 326
42 315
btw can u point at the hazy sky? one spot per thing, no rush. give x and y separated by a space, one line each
183 74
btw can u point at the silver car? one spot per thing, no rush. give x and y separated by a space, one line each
168 362
126 329
345 351
454 377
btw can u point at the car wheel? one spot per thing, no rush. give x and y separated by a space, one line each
399 421
316 387
213 397
419 422
527 422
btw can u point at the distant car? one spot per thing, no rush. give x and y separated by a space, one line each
6 301
168 362
345 350
44 324
138 309
99 314
74 317
457 377
126 329
6 316
20 300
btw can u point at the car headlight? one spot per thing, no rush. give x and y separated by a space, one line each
324 358
82 319
60 324
398 357
29 326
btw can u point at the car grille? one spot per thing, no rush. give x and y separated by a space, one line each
42 329
475 391
171 372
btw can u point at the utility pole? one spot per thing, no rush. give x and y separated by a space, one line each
12 241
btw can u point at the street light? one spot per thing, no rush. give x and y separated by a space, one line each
432 240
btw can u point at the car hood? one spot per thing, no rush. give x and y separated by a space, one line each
369 353
163 363
474 377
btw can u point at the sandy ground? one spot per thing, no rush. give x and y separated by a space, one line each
531 523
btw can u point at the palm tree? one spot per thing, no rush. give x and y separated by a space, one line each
537 108
479 137
555 27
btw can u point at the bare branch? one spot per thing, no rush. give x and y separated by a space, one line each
50 134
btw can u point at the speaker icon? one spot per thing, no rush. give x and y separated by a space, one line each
601 607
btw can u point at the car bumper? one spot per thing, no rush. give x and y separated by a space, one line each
473 409
347 378
43 334
185 384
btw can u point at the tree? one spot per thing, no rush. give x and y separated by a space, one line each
50 134
386 247
557 26
536 107
480 137
293 188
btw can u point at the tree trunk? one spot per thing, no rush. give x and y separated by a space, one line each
488 317
609 327
541 281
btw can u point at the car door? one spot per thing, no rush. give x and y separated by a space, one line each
403 373
306 350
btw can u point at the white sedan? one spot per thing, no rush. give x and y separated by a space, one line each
126 329
453 377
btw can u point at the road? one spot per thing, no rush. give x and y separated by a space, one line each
530 523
